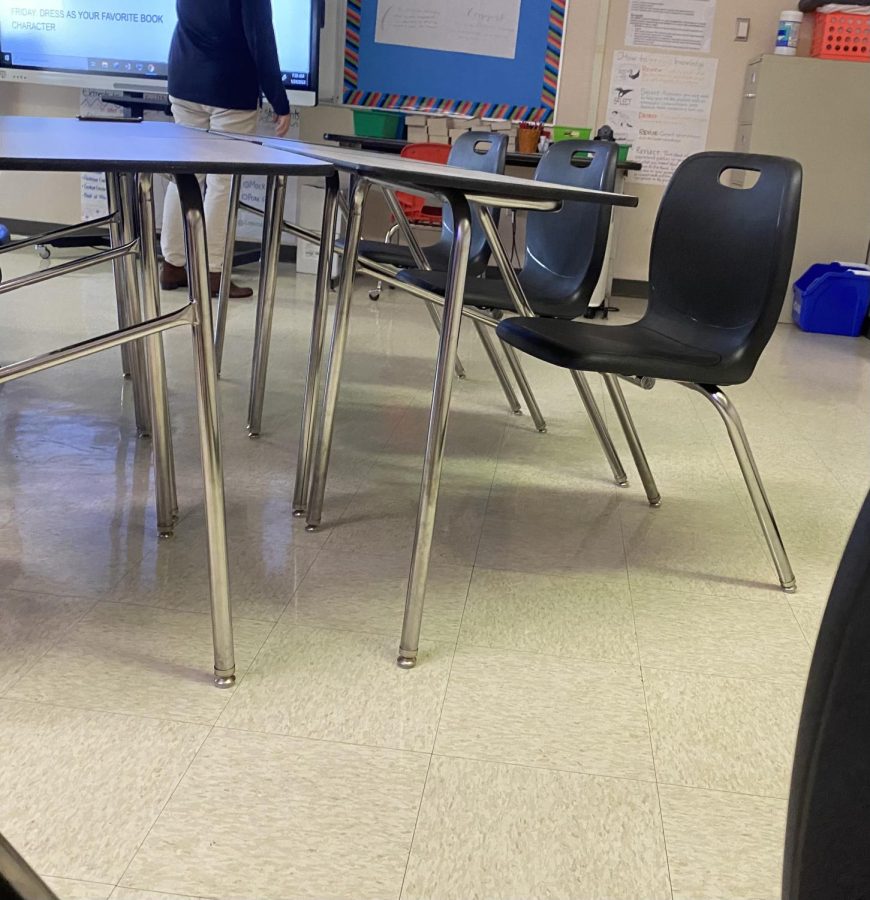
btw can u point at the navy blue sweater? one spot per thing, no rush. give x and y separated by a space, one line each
223 54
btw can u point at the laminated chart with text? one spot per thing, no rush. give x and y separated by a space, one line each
661 105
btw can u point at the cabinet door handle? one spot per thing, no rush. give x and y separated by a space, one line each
750 96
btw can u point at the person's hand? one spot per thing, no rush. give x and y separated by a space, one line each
282 125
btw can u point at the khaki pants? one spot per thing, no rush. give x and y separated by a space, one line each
217 187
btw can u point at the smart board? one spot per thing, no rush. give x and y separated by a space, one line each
124 44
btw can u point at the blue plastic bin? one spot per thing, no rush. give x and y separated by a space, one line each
832 298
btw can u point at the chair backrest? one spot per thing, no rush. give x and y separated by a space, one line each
411 204
722 254
482 151
565 250
829 809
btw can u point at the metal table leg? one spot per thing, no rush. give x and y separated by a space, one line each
272 231
113 193
434 459
227 271
130 311
315 354
164 462
209 428
323 444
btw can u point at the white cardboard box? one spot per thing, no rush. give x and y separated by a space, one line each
418 135
309 214
438 125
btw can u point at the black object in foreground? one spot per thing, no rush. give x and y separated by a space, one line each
829 808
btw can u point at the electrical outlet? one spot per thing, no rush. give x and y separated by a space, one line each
742 33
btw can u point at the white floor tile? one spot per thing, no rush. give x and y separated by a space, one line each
140 661
489 831
122 893
264 573
723 846
359 593
30 624
342 686
67 889
736 637
809 616
79 790
542 711
339 822
730 734
583 617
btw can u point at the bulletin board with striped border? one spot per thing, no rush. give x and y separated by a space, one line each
384 76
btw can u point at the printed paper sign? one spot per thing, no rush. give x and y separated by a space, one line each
481 27
671 24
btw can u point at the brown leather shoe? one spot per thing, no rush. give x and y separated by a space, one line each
172 277
237 292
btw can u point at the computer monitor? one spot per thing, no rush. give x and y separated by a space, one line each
119 46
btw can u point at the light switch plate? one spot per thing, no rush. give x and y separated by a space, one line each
742 33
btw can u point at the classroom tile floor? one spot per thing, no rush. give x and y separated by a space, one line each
608 694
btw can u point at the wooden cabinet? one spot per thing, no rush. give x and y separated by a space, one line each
817 112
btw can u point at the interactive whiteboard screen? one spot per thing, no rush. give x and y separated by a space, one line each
98 42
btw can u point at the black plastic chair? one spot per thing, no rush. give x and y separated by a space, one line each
481 151
829 808
563 260
719 270
564 250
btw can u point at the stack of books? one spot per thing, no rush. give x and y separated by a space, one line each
445 130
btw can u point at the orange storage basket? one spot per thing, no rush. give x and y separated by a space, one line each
841 36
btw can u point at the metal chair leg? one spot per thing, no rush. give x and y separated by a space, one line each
751 476
492 353
458 368
313 380
220 331
340 328
625 420
375 293
600 427
272 232
525 388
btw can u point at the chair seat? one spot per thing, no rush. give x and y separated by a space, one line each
486 293
399 255
388 254
634 349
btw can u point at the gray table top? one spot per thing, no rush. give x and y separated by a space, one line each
72 145
391 145
410 174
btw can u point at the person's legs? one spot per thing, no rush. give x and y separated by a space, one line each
217 191
172 231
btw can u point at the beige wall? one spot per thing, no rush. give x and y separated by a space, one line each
635 226
34 196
